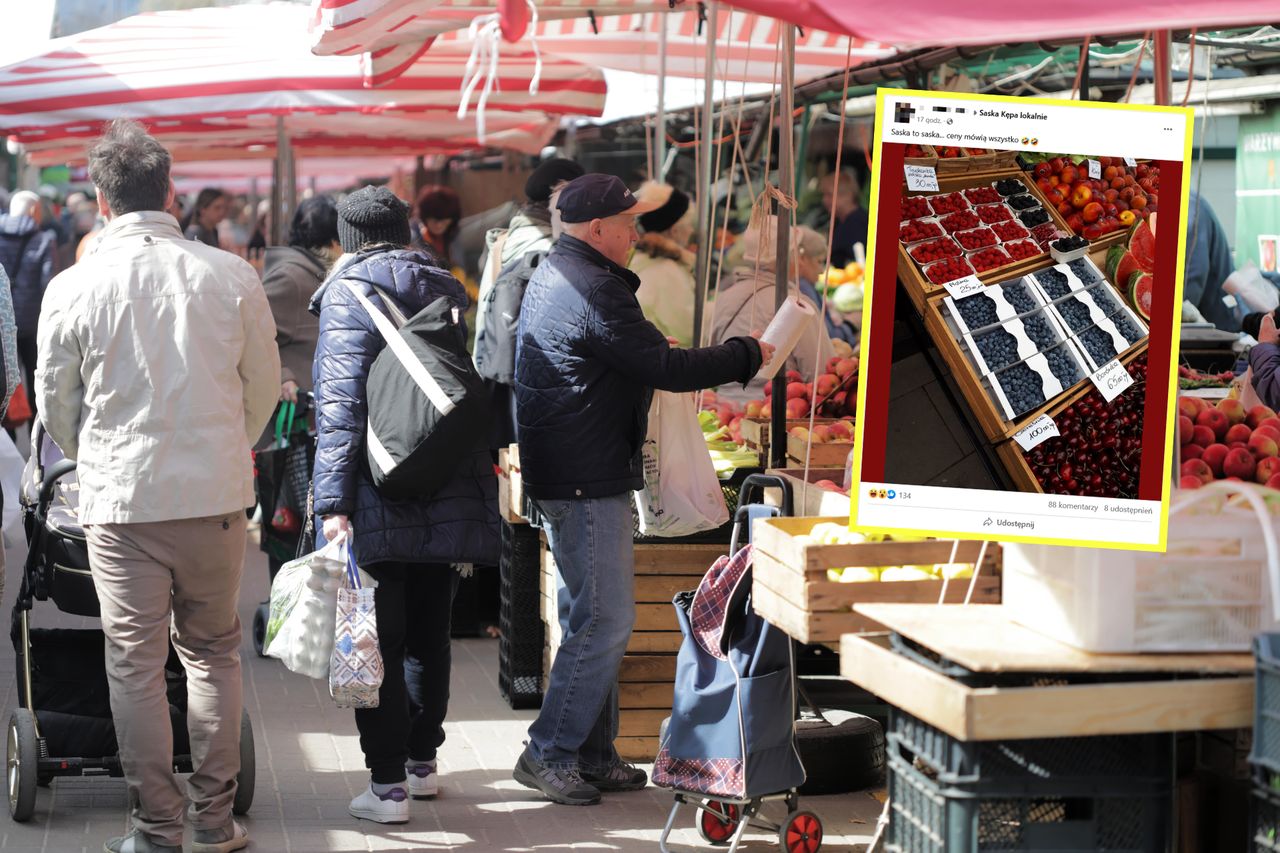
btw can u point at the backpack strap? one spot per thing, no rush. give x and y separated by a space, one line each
391 334
495 255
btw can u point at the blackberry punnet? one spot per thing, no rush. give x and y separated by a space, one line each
1054 282
1033 217
1022 202
998 347
1010 186
1075 313
1023 388
1100 346
1070 244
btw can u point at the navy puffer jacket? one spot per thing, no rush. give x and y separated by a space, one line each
587 362
27 254
458 524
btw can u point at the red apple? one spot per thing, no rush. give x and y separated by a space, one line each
1211 418
1274 423
1214 455
832 362
1190 406
755 408
826 383
846 366
1185 427
1238 432
797 390
797 407
1234 410
1268 467
1197 468
1274 482
1268 429
1240 463
1191 451
839 431
1261 444
1203 436
1189 481
1257 415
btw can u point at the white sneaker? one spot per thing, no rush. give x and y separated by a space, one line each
225 840
391 807
424 781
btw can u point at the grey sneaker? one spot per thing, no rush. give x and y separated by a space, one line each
619 777
224 839
136 842
559 785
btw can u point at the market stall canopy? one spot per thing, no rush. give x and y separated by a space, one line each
617 35
215 79
394 30
325 174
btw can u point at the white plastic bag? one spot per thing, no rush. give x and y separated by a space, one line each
681 494
303 610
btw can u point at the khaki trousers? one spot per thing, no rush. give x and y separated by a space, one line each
178 579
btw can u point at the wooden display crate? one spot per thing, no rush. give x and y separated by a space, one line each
930 158
829 454
755 433
1011 454
808 499
648 670
919 288
510 486
791 589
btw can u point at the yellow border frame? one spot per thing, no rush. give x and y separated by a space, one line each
855 490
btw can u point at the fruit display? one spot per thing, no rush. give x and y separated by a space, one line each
919 151
836 391
915 230
1046 232
1000 348
1010 187
1035 216
914 207
1026 201
1103 298
990 213
1099 345
949 151
1040 329
1130 331
982 195
1023 388
1132 265
1189 378
1069 244
832 533
1098 451
960 220
978 238
725 445
978 311
989 259
1054 283
1075 312
1064 364
935 250
1226 442
1022 250
948 203
1020 296
951 269
1008 231
1095 207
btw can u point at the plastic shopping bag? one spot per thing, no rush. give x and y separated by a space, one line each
303 608
681 494
355 670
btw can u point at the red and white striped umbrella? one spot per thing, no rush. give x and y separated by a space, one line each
616 34
219 77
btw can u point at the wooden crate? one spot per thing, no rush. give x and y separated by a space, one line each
755 432
647 674
791 589
510 486
919 288
808 499
829 454
930 158
1010 454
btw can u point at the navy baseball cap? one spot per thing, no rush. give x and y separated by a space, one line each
597 196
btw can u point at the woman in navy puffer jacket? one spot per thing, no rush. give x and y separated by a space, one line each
407 546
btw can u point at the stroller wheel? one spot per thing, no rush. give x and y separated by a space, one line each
801 833
718 823
260 628
247 778
22 764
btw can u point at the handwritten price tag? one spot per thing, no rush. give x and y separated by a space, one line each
922 179
1111 380
1037 432
963 287
1095 169
1131 163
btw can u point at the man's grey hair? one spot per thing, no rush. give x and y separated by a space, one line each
25 203
130 168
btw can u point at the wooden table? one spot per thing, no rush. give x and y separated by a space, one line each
1126 694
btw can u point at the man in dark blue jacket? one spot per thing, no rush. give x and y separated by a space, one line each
27 254
587 362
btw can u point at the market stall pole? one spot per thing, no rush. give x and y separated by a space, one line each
786 209
284 185
706 198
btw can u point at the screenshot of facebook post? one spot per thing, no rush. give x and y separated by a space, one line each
1020 331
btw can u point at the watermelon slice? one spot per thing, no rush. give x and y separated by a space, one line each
1140 287
1142 245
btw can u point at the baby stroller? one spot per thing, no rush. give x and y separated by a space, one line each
730 744
63 725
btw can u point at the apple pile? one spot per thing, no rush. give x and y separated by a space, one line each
1093 207
1225 442
1098 451
836 391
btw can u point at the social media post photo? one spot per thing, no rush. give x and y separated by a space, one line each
1020 331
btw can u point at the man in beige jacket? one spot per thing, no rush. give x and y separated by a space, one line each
157 368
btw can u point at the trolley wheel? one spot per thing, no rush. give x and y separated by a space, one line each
718 824
801 832
246 779
22 764
260 617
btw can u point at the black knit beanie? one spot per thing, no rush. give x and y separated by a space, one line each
657 221
543 180
372 215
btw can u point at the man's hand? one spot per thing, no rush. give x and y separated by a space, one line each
1267 332
674 341
289 391
335 525
766 349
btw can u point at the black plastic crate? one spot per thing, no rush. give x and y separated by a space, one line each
1076 766
927 816
1264 820
520 619
1265 755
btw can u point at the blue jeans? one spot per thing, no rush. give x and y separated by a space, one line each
591 540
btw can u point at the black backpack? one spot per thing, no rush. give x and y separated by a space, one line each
428 409
495 357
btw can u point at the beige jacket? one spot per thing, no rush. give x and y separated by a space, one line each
157 368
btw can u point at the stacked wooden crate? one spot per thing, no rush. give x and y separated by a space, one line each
648 669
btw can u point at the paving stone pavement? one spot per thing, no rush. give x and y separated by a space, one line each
309 765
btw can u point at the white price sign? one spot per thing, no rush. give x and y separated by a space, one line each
1095 169
963 287
1111 380
1037 432
922 179
1131 163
